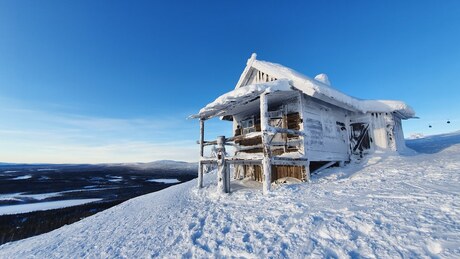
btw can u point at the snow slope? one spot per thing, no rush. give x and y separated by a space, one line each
388 206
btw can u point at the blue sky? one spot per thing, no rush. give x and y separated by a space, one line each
113 81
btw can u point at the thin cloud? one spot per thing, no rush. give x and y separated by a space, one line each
28 135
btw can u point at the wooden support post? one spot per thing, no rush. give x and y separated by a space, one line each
307 172
222 172
266 161
227 178
200 164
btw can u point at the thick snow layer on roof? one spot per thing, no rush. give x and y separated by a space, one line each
240 95
386 207
287 79
318 89
387 106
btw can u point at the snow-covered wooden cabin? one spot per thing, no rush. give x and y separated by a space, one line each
286 124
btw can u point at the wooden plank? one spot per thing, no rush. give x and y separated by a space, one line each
266 161
293 163
222 166
200 165
288 131
245 161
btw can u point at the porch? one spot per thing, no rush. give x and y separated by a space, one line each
269 151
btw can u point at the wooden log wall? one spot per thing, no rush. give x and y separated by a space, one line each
287 171
278 171
292 121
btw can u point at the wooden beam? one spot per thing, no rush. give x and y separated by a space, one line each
288 131
255 161
304 138
266 161
223 172
200 165
288 162
208 161
206 143
245 161
306 176
243 148
289 158
304 146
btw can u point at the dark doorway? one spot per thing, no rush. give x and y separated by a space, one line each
359 139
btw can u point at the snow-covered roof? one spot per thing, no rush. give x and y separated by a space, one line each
288 80
228 102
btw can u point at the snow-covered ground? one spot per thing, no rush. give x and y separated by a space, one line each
388 206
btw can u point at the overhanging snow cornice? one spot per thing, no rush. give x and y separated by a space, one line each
231 102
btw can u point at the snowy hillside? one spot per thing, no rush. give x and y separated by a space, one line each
388 206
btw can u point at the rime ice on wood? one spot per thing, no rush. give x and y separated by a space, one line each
284 122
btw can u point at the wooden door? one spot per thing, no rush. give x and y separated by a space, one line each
360 141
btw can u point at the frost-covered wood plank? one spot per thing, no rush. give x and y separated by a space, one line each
200 165
283 130
222 165
266 161
245 161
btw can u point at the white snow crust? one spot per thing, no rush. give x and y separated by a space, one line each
241 94
323 78
388 206
319 88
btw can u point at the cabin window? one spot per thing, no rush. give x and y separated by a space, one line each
248 126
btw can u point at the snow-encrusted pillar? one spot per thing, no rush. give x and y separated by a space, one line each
266 161
221 166
200 164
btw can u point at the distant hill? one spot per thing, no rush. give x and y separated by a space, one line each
162 164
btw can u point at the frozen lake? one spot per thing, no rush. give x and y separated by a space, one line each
168 181
48 205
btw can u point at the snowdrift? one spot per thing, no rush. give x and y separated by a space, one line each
388 206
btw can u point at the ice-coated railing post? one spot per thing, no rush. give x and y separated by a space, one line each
266 161
227 178
221 166
200 164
